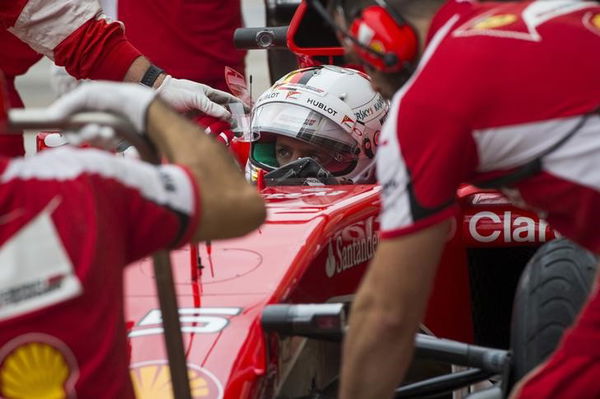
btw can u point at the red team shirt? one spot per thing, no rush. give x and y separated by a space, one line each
498 84
71 220
189 39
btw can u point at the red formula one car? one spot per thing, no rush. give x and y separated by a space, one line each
242 340
313 248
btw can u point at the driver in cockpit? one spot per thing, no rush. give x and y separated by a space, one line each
326 113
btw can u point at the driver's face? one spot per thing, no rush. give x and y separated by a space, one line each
288 150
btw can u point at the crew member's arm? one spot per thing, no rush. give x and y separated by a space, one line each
420 163
76 35
387 311
230 206
216 203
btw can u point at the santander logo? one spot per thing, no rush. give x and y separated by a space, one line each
352 246
507 227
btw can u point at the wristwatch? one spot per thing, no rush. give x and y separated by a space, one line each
152 73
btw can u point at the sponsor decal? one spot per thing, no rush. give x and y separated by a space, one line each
292 94
592 22
489 226
167 181
34 280
321 106
315 90
351 246
495 21
269 96
347 121
152 379
390 185
596 21
193 321
377 46
309 122
365 113
37 366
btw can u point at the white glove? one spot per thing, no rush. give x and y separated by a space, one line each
99 136
126 99
185 95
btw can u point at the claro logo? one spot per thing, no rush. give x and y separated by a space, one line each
351 246
488 226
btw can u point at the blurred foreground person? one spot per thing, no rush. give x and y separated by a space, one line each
73 218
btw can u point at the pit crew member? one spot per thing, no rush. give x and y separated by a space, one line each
76 34
327 113
73 218
483 104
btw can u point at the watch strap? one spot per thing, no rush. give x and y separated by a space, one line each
150 76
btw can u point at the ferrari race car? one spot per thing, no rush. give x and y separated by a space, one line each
250 325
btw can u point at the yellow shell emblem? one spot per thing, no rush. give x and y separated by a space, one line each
596 21
495 21
377 46
153 381
34 371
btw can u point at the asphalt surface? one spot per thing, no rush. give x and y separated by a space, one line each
36 91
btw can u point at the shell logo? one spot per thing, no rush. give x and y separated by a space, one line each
152 380
35 370
495 21
596 21
377 46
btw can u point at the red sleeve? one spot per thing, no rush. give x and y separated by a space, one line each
74 34
123 208
97 50
424 155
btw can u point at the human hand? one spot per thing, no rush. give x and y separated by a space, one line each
130 101
218 128
185 95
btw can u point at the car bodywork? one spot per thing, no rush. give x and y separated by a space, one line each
313 248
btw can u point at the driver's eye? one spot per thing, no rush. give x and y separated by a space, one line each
283 153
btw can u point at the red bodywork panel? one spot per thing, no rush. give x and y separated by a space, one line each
314 247
3 104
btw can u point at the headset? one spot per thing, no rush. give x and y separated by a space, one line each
380 36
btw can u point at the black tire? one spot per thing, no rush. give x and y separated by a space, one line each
552 290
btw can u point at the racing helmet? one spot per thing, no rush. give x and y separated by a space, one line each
331 108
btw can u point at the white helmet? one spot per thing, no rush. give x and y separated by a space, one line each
332 108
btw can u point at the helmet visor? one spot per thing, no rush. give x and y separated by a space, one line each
302 124
323 140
